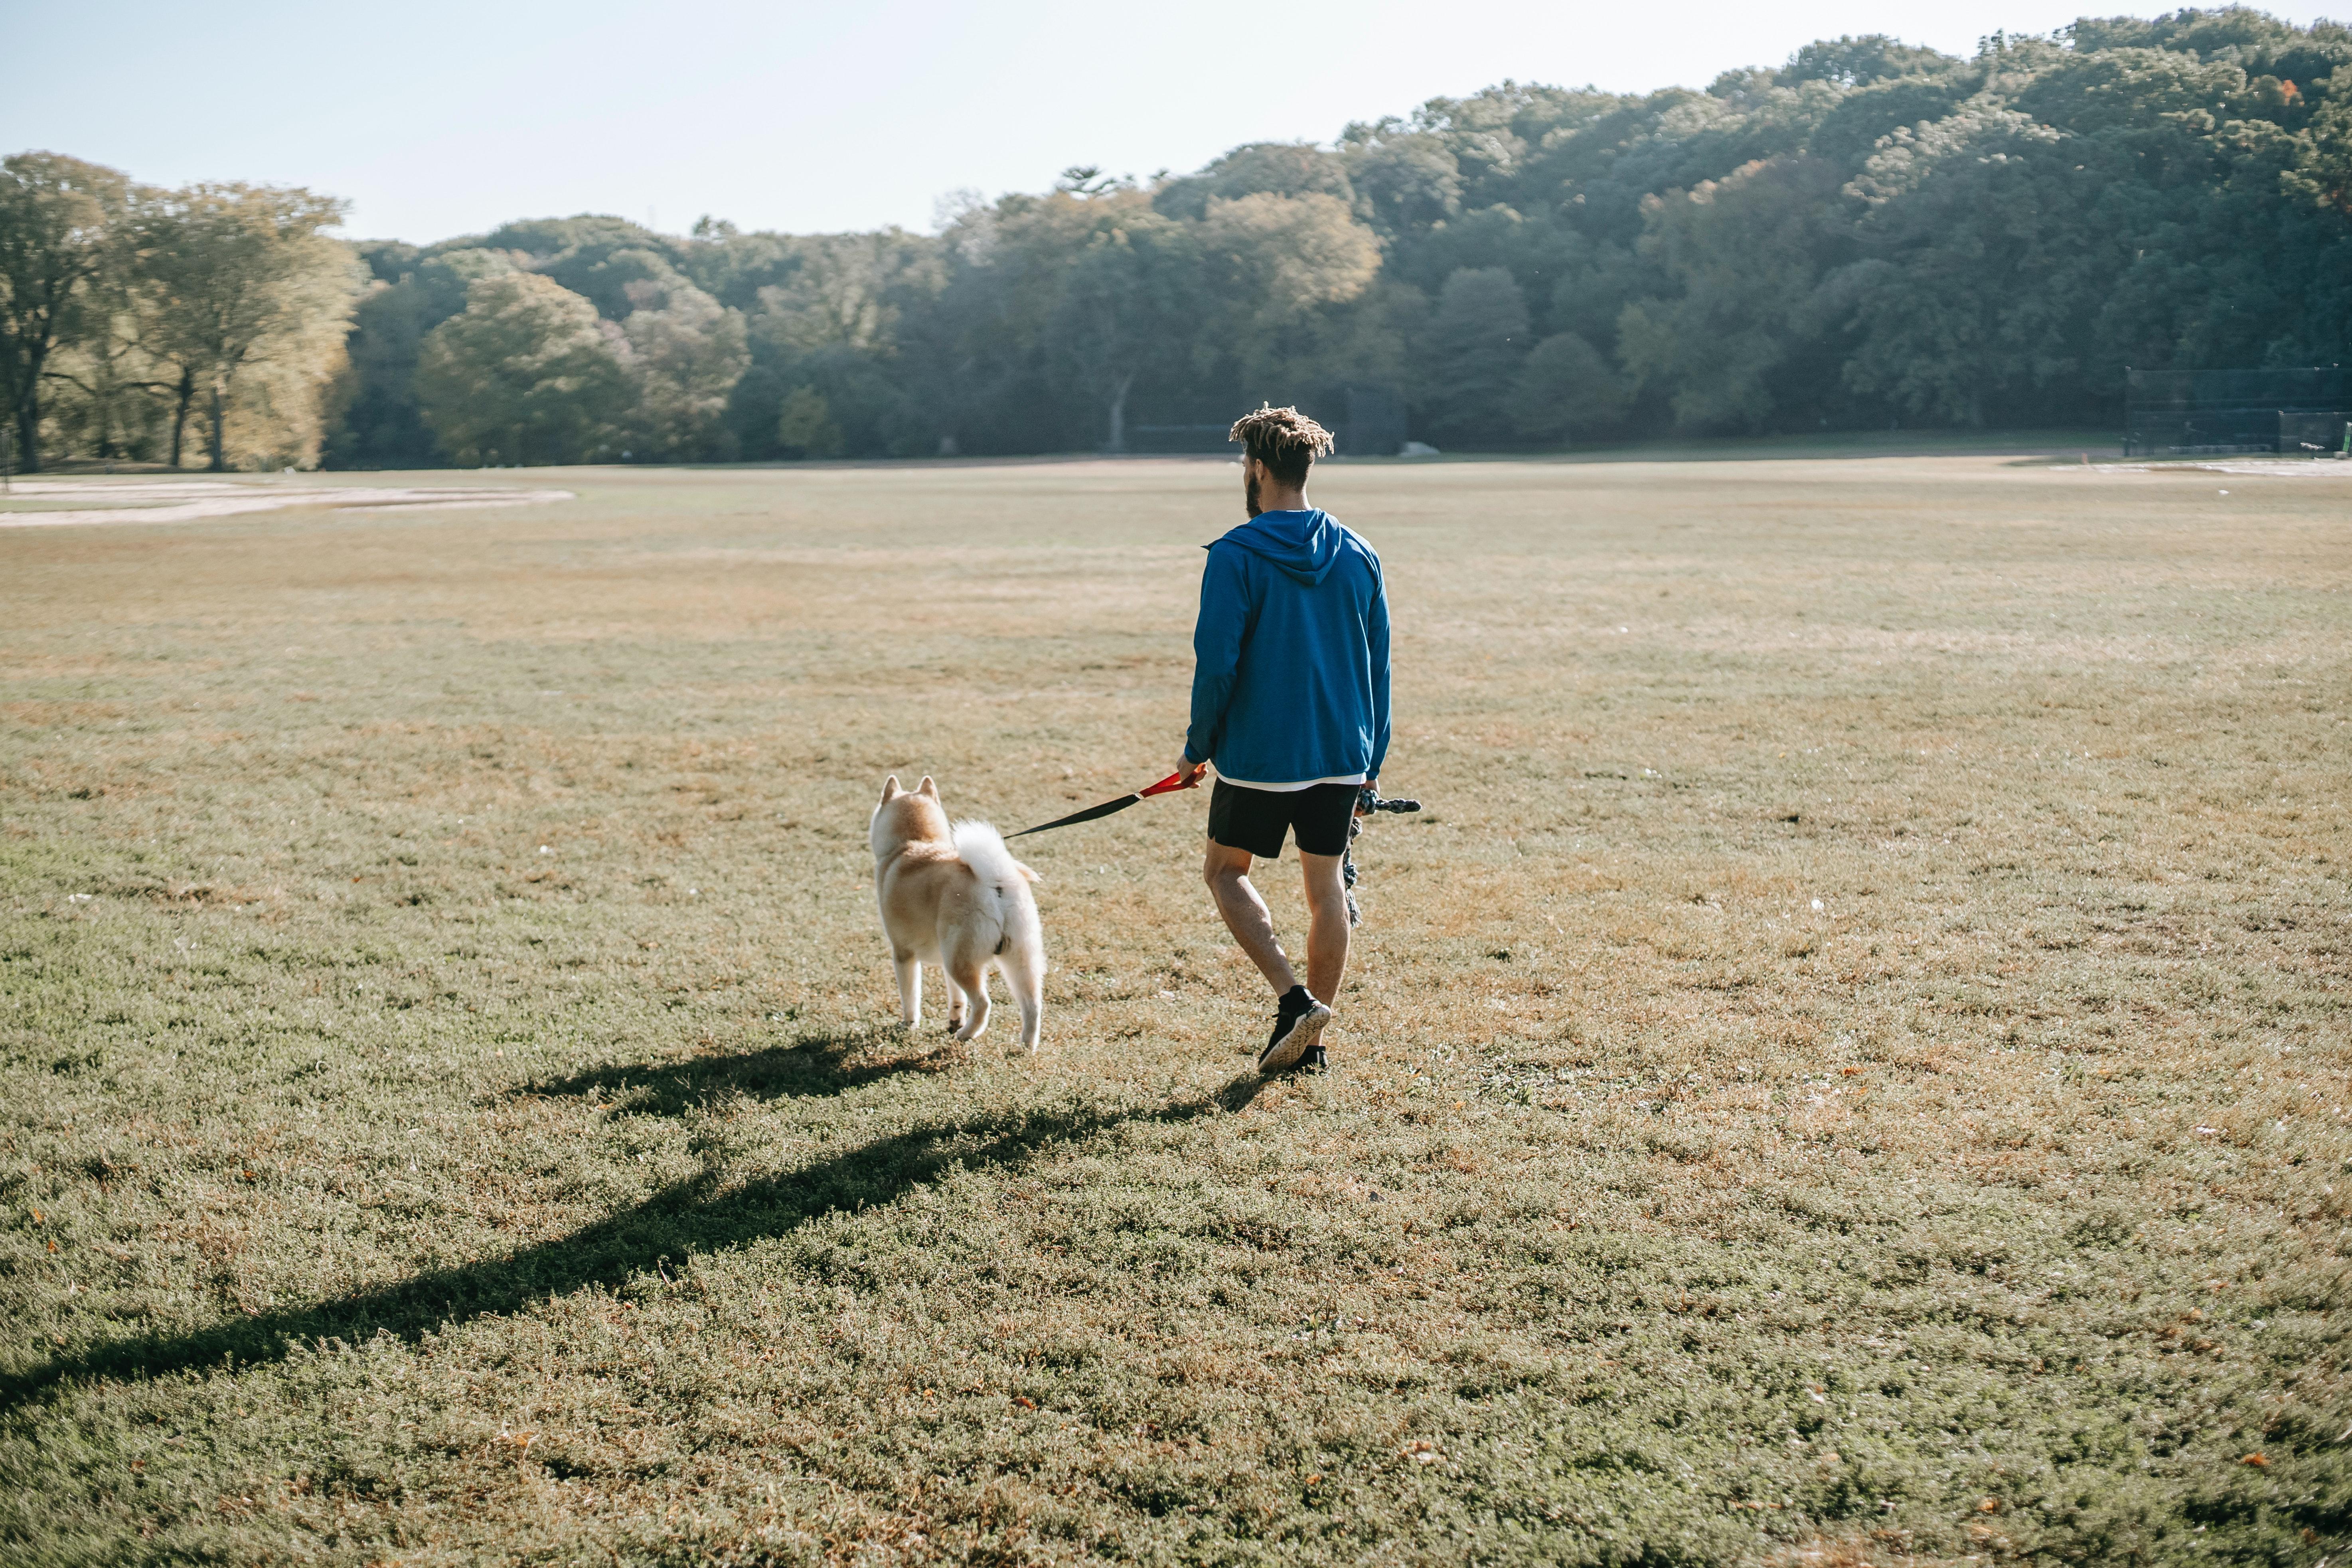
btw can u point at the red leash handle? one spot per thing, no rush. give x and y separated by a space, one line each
1173 781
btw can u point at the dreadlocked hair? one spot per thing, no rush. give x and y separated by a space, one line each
1284 440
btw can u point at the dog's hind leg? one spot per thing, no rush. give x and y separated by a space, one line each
1024 976
971 979
910 988
955 1000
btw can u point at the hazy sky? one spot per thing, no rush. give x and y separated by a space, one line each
435 119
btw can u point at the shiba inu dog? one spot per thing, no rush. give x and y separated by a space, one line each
955 897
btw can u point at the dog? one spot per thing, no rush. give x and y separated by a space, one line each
954 896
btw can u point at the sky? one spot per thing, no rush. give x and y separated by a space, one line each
435 119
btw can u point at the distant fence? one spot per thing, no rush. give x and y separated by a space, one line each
2308 433
2205 413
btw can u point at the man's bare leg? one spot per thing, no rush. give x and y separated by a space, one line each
1226 871
1326 925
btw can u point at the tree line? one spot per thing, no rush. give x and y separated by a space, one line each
1871 234
132 316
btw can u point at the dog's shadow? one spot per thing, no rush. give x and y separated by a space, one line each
811 1067
705 1213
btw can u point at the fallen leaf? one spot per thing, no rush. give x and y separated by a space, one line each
1990 1505
2257 1460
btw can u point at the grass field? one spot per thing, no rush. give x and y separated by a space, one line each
1850 1066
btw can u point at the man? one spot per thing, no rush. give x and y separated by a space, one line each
1290 700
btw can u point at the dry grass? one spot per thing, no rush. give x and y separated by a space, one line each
1850 1068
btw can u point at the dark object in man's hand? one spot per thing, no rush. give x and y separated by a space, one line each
1368 801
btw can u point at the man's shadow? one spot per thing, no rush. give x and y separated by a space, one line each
701 1213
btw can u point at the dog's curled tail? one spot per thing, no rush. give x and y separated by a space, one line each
1003 881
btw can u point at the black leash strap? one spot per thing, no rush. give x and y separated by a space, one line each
1172 781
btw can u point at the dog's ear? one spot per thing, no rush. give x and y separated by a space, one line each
1026 874
890 790
927 787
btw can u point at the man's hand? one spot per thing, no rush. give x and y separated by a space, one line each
1190 772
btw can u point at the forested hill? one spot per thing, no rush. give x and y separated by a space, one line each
1870 235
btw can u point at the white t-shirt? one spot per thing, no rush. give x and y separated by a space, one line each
1290 788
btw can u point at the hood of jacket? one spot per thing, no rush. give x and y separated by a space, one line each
1302 543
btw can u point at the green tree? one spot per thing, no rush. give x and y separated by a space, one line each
378 424
1472 355
1274 264
1404 180
686 353
1256 168
1747 256
1126 306
526 371
1853 61
57 214
846 291
2323 165
108 381
1567 392
234 277
805 427
595 255
1962 304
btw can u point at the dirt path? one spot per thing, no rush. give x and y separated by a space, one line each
2257 468
192 501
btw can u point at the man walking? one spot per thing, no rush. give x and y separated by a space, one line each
1290 700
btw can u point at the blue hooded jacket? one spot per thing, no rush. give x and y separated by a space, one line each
1290 675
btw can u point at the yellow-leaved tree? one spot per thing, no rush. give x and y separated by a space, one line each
244 298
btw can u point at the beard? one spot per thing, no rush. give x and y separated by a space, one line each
1249 496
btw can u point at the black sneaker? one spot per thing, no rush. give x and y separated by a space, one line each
1312 1059
1298 1021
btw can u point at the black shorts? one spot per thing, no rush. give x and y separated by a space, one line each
1254 820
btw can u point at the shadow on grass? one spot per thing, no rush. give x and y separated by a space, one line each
703 1214
810 1067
